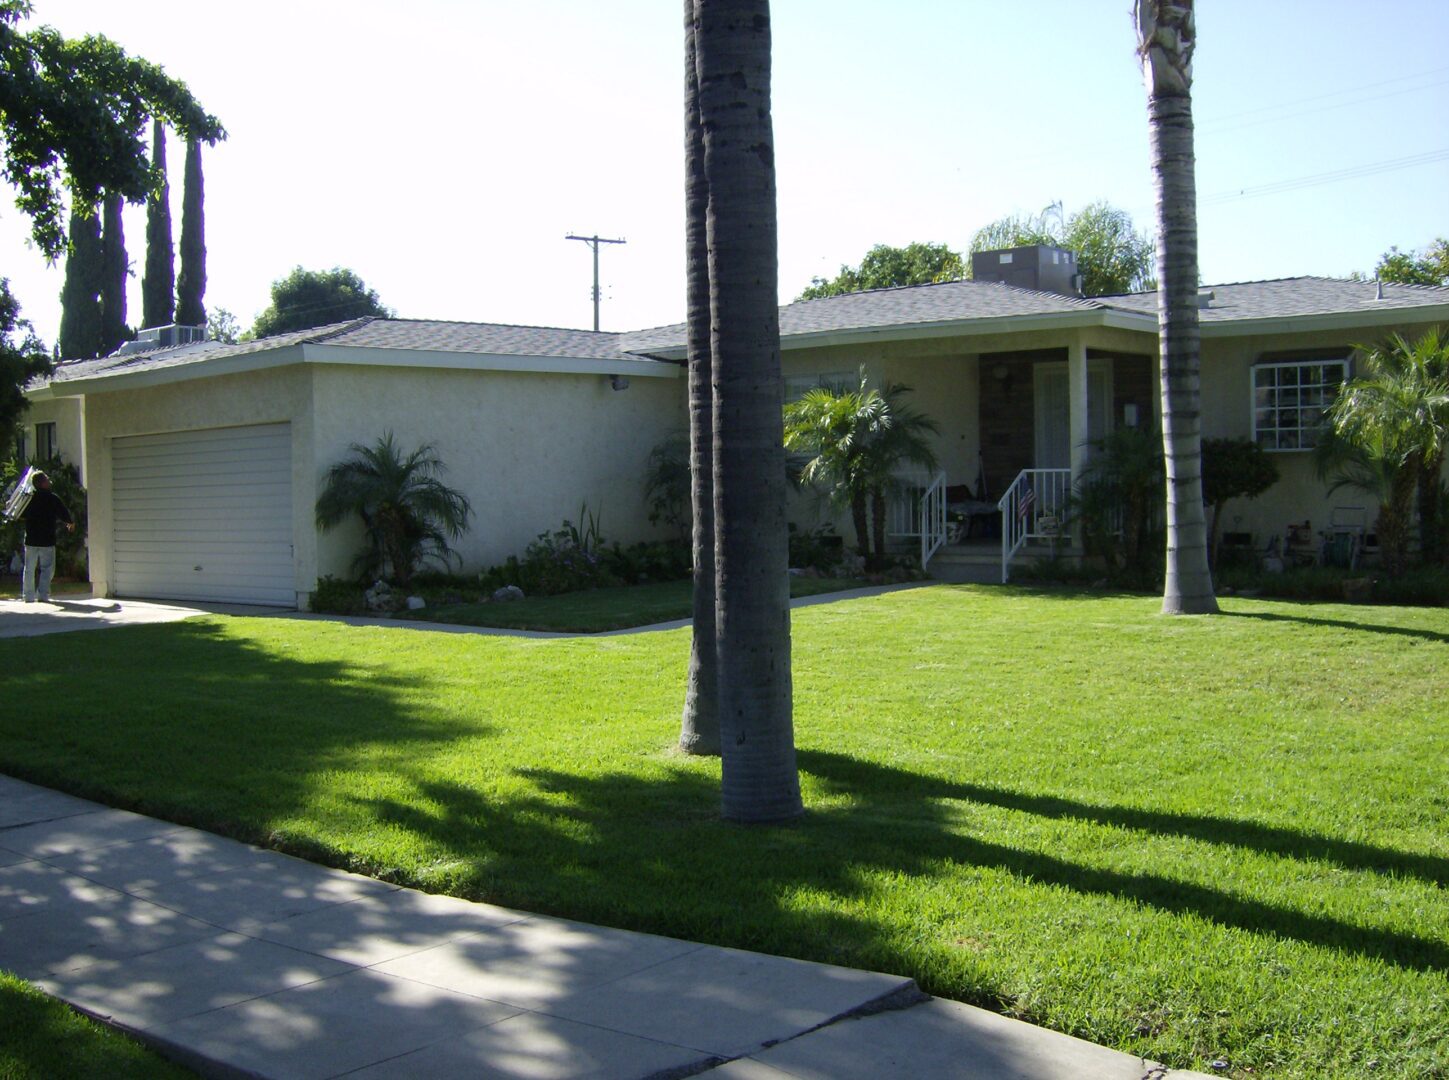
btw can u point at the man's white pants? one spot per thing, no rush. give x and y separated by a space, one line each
39 569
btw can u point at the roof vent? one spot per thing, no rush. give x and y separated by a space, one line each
1205 299
1378 288
163 337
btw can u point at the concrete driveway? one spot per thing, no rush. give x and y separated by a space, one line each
60 614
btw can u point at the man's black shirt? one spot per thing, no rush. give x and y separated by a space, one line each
41 516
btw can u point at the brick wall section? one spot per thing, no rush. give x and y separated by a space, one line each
1008 408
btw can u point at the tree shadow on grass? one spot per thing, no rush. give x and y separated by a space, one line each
1341 624
188 723
650 853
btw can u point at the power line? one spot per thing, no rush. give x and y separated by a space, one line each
1335 176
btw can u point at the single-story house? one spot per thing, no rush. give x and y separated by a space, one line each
204 460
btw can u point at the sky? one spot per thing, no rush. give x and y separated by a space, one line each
443 149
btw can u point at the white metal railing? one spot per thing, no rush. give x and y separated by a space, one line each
917 511
1033 508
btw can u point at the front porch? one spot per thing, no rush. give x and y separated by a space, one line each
1038 412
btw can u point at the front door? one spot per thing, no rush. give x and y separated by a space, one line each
1053 410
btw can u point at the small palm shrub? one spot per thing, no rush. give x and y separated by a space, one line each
407 512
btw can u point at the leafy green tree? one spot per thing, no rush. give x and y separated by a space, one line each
407 512
158 285
115 270
886 267
1429 267
759 778
307 298
222 325
1166 39
1112 255
191 282
1392 433
73 116
1233 469
22 357
81 333
856 439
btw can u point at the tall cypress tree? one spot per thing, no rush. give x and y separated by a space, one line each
80 296
191 282
115 268
158 286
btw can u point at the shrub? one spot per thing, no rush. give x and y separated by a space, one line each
819 549
567 559
335 596
652 560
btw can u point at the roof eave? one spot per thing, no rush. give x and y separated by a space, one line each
202 368
1332 320
996 324
467 361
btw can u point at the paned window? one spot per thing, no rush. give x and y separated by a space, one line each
796 386
45 447
1290 399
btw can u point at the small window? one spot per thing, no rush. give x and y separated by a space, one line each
45 447
20 447
796 386
1290 400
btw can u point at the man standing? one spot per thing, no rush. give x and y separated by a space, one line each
44 513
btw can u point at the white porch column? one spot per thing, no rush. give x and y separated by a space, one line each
1077 406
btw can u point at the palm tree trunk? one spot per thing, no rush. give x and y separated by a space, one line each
1431 526
860 519
760 780
699 726
878 526
1166 37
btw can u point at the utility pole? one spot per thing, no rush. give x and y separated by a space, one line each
594 242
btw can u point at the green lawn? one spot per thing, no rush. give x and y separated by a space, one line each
596 610
41 1039
1189 839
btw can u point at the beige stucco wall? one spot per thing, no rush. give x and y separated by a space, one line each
1227 412
67 414
273 396
528 449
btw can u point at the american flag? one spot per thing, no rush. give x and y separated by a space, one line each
1025 503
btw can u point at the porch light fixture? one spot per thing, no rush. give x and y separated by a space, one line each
1002 374
619 382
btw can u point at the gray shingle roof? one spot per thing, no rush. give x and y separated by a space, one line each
181 355
491 338
1287 297
402 334
950 301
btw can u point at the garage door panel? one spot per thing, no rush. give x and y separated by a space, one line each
204 515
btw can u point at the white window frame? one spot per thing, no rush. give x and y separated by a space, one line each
47 443
1272 398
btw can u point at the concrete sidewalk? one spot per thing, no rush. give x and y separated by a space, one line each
77 612
239 961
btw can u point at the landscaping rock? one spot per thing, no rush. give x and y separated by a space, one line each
508 592
379 597
416 603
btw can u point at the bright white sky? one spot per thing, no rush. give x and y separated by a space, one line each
443 148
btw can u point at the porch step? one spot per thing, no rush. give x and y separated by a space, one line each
981 564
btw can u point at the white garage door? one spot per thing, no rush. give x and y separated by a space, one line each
204 515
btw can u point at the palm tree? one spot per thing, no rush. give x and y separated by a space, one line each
1166 37
856 440
830 425
699 725
752 602
1391 428
408 513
